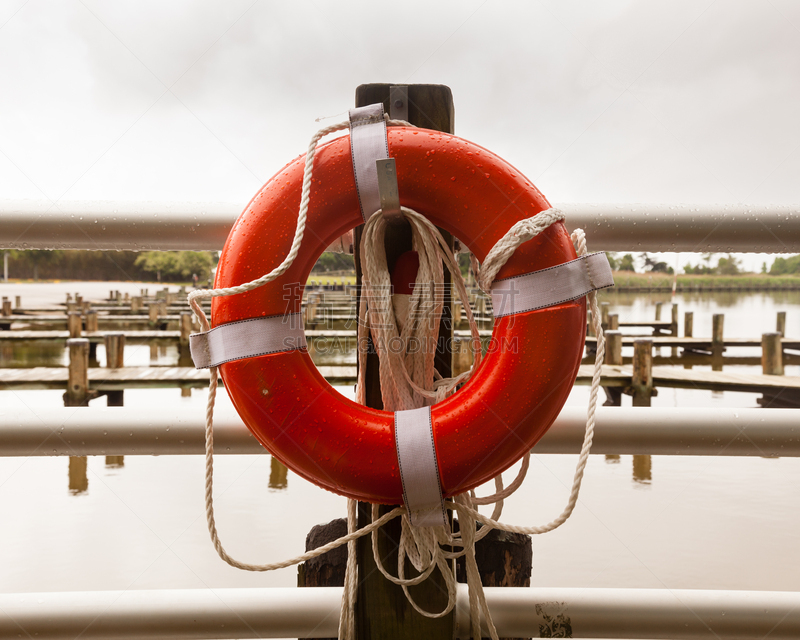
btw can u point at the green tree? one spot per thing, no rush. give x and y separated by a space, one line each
728 266
783 266
162 263
612 260
626 263
199 263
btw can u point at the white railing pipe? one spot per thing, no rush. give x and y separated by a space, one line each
619 430
314 613
201 226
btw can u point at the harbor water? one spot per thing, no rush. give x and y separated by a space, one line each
672 522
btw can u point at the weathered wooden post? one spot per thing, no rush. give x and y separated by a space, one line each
382 610
6 307
688 324
77 394
78 299
604 310
613 321
186 328
780 323
642 379
717 341
152 312
613 357
18 302
78 480
74 324
673 328
658 311
115 359
136 304
771 354
91 320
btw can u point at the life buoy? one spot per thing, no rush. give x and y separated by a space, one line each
499 414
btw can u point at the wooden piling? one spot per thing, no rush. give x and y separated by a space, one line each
613 357
115 350
780 323
6 307
74 324
77 394
771 354
91 320
642 382
717 341
18 302
152 312
186 327
604 310
688 324
382 610
658 311
78 479
136 304
613 347
613 321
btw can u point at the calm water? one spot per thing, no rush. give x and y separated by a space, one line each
665 522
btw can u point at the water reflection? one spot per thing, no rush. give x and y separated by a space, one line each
278 475
78 480
642 469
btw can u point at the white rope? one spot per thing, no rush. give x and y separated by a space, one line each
409 380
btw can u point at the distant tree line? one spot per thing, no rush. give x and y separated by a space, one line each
166 266
783 266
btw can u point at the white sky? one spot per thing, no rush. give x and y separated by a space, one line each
679 101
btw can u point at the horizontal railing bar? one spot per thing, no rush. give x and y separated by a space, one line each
314 613
201 226
619 430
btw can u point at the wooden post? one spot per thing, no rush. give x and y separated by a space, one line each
152 310
77 394
115 359
589 324
613 321
673 329
658 311
688 324
136 304
614 357
186 327
717 341
613 347
604 308
382 610
6 307
18 302
91 320
115 350
74 324
771 354
780 323
642 382
78 299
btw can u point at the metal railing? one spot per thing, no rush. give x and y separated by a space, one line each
246 613
684 614
619 430
195 226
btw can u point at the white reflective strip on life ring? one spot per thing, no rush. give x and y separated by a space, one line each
552 286
247 339
368 143
419 469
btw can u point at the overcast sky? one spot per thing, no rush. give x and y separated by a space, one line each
679 101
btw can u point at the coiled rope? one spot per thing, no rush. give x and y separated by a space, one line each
410 381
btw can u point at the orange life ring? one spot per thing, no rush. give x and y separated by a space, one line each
499 414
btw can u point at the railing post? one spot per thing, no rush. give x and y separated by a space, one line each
642 378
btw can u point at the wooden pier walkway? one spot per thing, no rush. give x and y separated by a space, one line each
102 379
